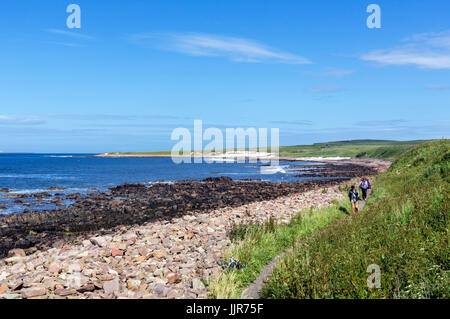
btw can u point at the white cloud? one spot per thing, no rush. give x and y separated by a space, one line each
236 49
19 120
109 117
294 123
425 50
70 34
438 87
331 72
66 44
325 89
381 123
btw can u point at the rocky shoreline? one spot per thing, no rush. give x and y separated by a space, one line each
142 241
134 204
159 259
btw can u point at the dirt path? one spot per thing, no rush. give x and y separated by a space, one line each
253 291
361 205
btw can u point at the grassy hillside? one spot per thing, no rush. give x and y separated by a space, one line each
388 150
146 153
403 229
256 245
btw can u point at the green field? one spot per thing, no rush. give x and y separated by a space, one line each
381 149
144 153
387 150
403 229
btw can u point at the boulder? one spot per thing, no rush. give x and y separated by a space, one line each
65 292
173 278
197 284
111 286
16 252
100 241
33 292
54 267
3 289
116 252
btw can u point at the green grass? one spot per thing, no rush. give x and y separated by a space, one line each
387 150
256 245
403 229
143 153
382 149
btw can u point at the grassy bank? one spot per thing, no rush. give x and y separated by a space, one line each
387 150
256 245
403 229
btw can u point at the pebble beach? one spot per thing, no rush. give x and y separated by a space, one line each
157 257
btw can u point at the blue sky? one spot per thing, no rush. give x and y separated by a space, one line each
138 69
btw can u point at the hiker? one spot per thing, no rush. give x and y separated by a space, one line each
364 186
353 195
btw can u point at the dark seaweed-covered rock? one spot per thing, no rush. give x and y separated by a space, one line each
130 204
221 179
334 170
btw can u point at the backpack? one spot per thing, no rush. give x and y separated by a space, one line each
364 184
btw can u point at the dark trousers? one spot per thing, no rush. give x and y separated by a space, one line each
364 193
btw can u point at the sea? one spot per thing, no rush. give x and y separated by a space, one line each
84 173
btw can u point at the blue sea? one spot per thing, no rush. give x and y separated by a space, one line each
82 173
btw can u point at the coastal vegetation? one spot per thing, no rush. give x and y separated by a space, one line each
403 229
256 245
381 149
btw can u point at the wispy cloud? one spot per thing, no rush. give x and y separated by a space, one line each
233 48
381 123
72 34
294 123
425 50
66 44
438 87
97 120
20 120
90 117
330 72
325 89
108 117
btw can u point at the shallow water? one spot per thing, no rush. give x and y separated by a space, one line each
80 173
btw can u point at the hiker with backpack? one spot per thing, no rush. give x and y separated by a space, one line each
353 195
364 186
